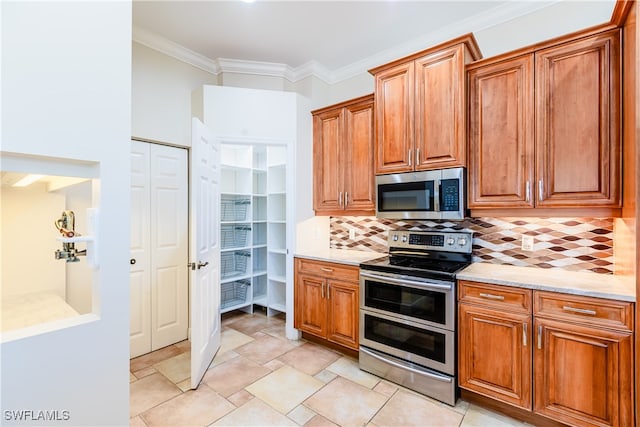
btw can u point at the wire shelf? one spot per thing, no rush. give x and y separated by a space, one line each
233 293
234 209
234 263
234 236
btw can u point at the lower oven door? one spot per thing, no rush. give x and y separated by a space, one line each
415 377
427 346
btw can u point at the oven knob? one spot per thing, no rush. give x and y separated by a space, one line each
404 239
462 241
451 241
395 237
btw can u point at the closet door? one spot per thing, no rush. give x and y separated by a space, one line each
169 246
159 247
140 279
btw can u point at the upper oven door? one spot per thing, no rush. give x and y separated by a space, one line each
430 302
407 195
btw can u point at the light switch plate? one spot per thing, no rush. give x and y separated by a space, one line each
527 243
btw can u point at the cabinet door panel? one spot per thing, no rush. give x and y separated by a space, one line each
501 151
495 355
394 119
310 305
358 157
582 375
577 111
327 150
440 104
343 313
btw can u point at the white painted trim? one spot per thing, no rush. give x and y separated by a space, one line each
498 15
174 50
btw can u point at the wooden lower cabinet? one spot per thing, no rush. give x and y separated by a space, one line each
327 301
495 354
567 358
583 375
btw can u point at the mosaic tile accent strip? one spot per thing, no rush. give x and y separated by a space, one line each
576 244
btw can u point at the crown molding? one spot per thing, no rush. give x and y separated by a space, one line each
174 50
498 15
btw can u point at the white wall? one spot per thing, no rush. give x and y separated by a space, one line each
28 241
161 96
555 20
66 93
79 274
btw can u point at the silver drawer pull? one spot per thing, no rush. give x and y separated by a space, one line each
328 270
491 296
524 334
579 310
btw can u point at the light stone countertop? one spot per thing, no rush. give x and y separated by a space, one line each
554 280
342 256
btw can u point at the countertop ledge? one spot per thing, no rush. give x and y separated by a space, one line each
342 256
554 280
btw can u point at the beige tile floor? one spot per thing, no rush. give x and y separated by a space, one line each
259 378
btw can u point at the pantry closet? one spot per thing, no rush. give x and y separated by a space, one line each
253 231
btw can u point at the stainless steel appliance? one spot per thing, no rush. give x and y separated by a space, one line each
434 194
408 311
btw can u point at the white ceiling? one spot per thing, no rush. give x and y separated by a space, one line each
331 35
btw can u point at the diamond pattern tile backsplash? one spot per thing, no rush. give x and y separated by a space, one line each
576 244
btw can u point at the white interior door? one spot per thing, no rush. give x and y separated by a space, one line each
140 279
205 250
169 245
159 314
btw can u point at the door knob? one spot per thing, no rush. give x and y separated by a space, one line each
202 264
132 261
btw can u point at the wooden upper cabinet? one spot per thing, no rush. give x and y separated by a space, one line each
420 108
343 153
440 109
501 134
359 148
544 127
578 123
327 174
394 118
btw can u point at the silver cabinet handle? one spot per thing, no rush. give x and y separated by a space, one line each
328 290
340 199
417 156
410 163
579 310
539 337
328 270
491 296
527 192
322 291
540 188
346 199
524 334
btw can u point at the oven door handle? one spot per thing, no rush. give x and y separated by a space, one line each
376 355
424 285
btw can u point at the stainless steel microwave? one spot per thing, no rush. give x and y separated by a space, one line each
433 194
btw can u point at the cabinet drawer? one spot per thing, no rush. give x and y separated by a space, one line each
327 270
592 311
502 297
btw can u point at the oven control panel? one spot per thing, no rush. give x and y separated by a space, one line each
449 241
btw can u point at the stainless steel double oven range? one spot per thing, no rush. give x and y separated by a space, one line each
408 311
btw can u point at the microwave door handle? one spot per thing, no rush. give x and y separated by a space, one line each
436 195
